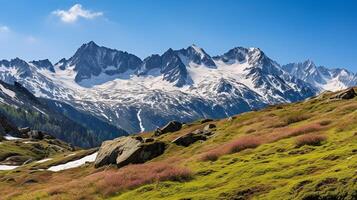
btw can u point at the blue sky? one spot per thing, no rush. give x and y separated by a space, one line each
286 30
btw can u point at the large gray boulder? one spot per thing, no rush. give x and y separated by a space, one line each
172 126
127 150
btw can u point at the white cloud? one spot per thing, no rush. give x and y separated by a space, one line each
74 13
4 29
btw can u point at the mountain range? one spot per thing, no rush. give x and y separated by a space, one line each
138 95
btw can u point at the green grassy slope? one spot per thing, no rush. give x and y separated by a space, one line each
275 170
277 167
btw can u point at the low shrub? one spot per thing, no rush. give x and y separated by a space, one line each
305 129
325 122
237 145
212 155
133 176
310 139
243 143
296 117
249 142
291 132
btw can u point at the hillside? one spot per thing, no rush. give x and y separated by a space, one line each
305 150
63 121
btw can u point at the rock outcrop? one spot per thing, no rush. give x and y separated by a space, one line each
209 127
205 120
34 134
345 94
170 127
188 139
127 150
192 137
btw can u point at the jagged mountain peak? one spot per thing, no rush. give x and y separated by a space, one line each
43 64
242 54
18 62
321 77
196 55
91 60
309 62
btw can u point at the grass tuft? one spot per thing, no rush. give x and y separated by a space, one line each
244 143
310 139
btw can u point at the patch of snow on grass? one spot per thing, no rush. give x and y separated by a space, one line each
7 167
74 164
9 137
44 160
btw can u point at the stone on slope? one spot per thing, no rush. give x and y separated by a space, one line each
35 134
209 127
127 150
24 130
172 126
192 137
205 120
345 94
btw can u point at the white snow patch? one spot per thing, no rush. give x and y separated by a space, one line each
74 164
9 137
199 51
142 129
39 110
44 160
7 167
29 142
7 91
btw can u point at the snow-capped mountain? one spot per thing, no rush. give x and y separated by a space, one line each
140 95
322 77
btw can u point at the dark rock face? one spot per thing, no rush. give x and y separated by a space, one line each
34 134
190 138
8 128
24 130
151 62
345 94
205 120
170 127
127 150
238 54
91 59
197 56
43 64
173 69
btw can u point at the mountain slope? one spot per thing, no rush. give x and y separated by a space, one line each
61 120
141 95
266 154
